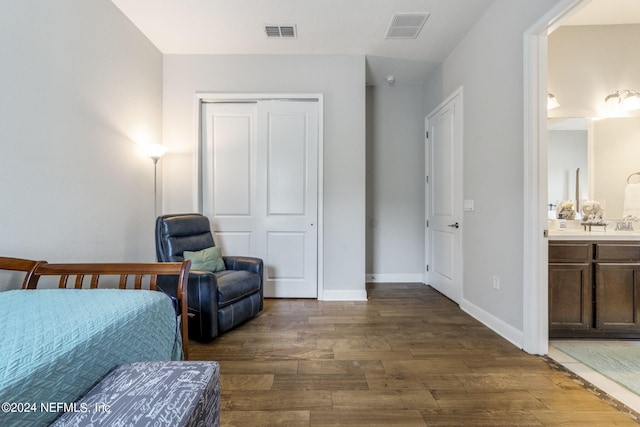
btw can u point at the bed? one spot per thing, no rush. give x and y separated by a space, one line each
58 343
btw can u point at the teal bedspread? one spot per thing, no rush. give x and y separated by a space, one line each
57 343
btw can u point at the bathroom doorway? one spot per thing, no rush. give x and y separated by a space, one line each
536 338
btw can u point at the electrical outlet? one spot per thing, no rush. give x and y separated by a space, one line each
496 282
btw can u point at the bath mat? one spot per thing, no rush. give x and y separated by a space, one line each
618 361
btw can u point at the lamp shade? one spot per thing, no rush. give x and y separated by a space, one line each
631 101
153 151
552 102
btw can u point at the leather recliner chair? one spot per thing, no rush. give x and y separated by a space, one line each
217 301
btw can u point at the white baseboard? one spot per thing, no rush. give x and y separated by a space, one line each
394 278
506 331
355 295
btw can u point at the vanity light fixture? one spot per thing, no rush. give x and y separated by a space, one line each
627 99
552 102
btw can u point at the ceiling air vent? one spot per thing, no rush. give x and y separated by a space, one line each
280 31
406 25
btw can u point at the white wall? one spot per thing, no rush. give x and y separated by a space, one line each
587 63
395 184
616 150
488 63
78 82
342 81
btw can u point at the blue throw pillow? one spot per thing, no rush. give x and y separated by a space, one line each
209 259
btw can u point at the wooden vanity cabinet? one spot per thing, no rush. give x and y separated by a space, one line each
594 289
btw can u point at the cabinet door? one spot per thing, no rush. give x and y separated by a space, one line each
570 297
617 297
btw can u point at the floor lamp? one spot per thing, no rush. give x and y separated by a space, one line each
154 152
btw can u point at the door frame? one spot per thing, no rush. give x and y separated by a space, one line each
535 303
428 244
201 97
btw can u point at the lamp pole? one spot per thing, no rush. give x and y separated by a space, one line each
155 185
154 152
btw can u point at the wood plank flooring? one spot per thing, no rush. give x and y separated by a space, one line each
406 357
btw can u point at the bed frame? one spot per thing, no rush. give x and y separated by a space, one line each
131 276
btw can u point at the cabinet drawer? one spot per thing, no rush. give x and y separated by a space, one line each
617 252
569 252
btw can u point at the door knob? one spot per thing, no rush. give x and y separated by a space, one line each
456 225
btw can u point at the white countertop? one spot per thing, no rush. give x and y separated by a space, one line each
575 231
593 235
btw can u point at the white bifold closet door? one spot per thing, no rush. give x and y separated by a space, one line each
260 188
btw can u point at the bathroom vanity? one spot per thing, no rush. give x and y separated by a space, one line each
594 284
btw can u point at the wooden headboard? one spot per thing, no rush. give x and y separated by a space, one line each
19 264
130 276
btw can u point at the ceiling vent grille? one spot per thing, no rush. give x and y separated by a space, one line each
281 31
406 25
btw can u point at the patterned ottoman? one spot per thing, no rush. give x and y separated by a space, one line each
151 394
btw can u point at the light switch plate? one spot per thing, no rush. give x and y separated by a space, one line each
469 205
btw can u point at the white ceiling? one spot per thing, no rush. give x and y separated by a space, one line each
332 27
323 26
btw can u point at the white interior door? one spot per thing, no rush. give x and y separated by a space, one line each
288 196
444 198
260 188
229 179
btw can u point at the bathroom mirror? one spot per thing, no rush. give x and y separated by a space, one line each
606 151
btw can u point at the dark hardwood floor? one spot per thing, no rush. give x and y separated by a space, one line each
406 357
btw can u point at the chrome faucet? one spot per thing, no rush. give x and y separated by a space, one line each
626 224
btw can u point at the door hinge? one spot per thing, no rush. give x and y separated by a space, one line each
427 134
545 233
427 179
427 267
427 223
